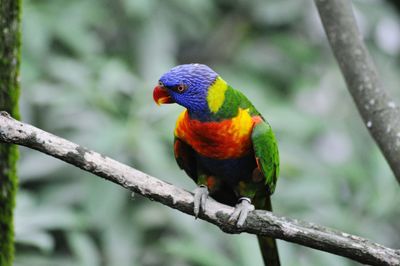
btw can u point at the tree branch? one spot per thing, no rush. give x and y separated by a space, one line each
259 222
377 108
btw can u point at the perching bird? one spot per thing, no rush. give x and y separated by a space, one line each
223 143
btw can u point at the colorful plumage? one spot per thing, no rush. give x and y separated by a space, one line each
223 143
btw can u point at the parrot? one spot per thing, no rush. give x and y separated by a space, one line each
223 144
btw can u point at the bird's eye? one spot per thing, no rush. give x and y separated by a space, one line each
180 88
160 84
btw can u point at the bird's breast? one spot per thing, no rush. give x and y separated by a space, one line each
230 138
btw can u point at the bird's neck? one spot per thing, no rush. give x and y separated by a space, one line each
201 115
214 100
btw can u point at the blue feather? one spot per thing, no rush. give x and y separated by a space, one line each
231 170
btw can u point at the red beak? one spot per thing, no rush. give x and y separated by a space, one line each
161 95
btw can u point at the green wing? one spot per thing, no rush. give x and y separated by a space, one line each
266 153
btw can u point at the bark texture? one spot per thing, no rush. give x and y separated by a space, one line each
9 93
259 222
380 112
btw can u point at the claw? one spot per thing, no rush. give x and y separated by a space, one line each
241 211
200 199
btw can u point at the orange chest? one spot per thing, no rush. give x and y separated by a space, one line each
226 139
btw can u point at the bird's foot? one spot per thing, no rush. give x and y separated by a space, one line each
241 211
200 198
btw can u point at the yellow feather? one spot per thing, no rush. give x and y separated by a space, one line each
216 94
242 123
178 132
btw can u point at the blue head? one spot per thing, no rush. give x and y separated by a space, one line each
186 85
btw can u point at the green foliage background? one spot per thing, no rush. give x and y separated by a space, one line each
88 69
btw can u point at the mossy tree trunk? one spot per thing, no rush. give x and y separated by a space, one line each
9 93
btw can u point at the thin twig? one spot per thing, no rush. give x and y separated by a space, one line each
259 222
377 108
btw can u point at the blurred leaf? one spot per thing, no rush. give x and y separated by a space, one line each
84 249
199 255
40 240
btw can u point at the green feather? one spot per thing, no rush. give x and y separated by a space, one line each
234 100
266 152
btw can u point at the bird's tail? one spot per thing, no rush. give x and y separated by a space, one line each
269 249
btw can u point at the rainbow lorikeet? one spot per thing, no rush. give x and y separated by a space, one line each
223 143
